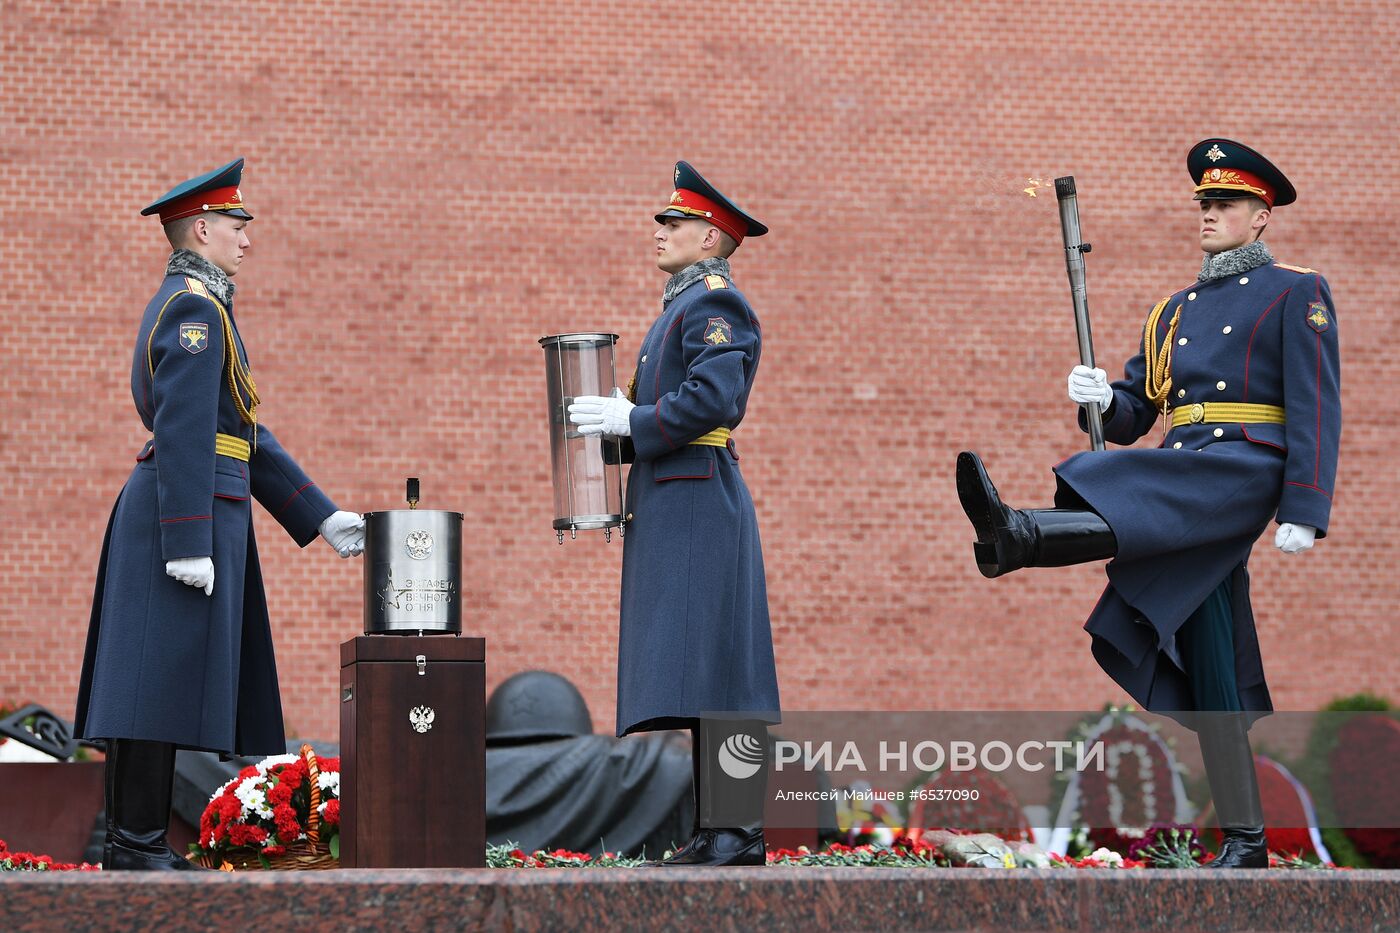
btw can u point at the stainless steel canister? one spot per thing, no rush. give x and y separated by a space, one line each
413 572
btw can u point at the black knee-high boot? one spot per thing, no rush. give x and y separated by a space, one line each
1009 539
731 775
139 775
1234 787
696 783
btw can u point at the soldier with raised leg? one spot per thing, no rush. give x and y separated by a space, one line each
1242 368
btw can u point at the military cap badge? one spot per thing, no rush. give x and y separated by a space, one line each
218 190
718 331
1317 316
695 197
1234 170
194 337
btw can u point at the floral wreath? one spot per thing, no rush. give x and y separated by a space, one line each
267 811
1132 793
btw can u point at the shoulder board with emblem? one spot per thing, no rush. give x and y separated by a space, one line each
1299 269
713 282
196 286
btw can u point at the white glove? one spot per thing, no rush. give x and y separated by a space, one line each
1292 538
595 414
344 531
197 572
1090 385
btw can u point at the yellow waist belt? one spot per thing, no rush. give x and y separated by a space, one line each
226 445
719 437
1220 412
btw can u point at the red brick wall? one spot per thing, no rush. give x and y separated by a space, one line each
439 184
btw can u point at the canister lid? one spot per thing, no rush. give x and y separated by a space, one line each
591 339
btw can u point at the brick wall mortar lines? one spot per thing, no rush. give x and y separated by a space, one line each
439 184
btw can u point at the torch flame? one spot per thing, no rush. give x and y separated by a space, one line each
1036 184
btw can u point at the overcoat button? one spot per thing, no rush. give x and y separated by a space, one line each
1219 432
1180 393
1220 385
1181 342
1227 329
1177 445
1191 297
1244 280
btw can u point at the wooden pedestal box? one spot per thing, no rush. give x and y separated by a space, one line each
413 752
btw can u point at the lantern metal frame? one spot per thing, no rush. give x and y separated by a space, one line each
576 523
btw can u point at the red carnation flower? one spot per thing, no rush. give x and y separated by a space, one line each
288 828
225 825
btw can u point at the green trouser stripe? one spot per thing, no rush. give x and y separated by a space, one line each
1207 643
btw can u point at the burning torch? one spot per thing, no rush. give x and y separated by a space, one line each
1075 249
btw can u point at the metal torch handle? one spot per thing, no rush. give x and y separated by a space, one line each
1075 248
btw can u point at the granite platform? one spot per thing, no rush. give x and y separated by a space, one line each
768 899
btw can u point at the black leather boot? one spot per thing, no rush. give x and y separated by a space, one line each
139 775
696 761
1234 787
711 847
108 792
728 809
1009 539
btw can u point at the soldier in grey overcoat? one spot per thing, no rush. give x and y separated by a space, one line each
179 648
695 648
1243 368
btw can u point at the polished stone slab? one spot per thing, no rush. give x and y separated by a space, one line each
769 899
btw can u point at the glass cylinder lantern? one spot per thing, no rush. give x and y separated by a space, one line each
587 467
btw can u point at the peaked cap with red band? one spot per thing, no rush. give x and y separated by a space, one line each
696 197
212 191
1224 169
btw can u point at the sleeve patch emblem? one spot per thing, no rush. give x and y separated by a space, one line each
194 337
718 331
1317 316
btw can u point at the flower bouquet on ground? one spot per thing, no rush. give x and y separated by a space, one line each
281 814
28 861
511 856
